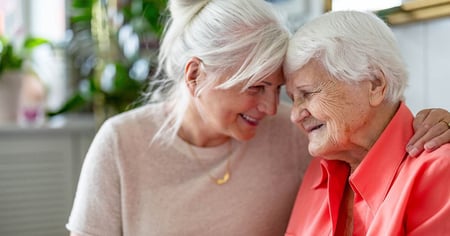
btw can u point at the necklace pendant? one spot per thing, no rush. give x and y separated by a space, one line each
224 179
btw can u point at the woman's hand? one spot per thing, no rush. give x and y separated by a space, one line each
432 129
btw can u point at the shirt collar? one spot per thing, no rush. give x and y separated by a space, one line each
373 177
330 169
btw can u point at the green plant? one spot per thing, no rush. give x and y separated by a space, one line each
108 75
12 58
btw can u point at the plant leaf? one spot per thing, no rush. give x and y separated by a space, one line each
76 102
31 42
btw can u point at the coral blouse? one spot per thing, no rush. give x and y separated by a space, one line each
394 194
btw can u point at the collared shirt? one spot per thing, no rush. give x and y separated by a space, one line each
394 194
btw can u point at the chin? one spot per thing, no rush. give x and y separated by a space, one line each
245 136
313 153
315 150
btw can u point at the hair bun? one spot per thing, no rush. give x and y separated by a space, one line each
186 9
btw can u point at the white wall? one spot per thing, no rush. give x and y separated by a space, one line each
426 50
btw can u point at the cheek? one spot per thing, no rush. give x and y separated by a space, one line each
335 111
327 108
345 119
213 107
230 107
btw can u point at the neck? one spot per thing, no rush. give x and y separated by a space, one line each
380 118
196 131
363 140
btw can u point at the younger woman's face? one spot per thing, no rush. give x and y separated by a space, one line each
233 113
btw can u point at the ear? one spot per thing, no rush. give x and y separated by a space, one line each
192 73
378 87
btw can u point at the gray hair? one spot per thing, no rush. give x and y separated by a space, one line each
352 46
244 38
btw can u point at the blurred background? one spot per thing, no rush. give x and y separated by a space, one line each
67 65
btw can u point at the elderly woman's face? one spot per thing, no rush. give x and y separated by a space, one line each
332 113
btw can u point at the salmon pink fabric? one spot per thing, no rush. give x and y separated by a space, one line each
394 194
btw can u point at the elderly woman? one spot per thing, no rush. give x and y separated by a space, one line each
346 79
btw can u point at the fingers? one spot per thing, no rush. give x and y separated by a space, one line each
414 147
430 117
440 140
428 139
420 118
415 144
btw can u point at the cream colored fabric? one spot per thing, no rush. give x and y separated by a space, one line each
129 187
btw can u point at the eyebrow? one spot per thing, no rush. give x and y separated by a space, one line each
267 83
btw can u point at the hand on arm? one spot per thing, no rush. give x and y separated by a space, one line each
432 129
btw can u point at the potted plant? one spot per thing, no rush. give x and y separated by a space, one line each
12 72
112 54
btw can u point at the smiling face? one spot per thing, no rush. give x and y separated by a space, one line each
223 113
334 114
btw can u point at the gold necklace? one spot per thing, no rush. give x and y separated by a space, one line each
216 180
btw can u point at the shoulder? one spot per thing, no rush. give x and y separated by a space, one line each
428 172
429 193
135 122
436 163
134 118
436 160
129 131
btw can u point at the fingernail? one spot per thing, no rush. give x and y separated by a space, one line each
408 147
430 145
413 152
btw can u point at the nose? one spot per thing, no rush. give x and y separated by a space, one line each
269 103
298 113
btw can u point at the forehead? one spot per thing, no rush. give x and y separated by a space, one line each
276 78
311 73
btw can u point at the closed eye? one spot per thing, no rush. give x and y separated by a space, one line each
253 90
301 95
308 94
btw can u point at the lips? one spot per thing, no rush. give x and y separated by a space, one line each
250 120
312 127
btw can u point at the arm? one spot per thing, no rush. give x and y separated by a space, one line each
96 208
432 130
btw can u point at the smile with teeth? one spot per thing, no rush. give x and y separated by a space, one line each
249 119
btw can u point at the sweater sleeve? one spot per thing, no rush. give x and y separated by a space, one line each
97 209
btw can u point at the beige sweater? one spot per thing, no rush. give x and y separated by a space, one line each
129 187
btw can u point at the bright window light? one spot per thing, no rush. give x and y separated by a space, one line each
48 19
364 5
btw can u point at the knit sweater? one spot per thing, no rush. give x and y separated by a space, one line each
131 186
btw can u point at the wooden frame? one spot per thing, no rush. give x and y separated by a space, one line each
411 11
417 10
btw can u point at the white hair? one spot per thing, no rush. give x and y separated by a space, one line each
244 38
352 46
